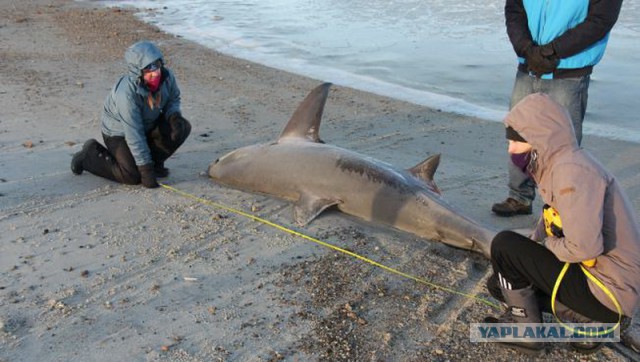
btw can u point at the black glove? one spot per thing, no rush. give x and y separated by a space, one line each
556 231
147 176
542 59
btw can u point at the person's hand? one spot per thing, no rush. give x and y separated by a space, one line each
542 59
147 176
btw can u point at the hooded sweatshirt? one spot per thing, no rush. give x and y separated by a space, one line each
598 220
127 112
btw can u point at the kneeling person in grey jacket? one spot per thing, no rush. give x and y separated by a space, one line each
141 123
599 233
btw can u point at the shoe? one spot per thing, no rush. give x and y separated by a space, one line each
78 158
565 313
160 170
522 308
630 334
586 347
533 349
511 207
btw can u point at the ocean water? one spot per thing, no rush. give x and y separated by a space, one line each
452 55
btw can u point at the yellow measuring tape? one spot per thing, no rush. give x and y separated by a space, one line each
600 285
330 246
553 227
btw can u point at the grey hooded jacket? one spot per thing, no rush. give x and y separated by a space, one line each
126 110
598 220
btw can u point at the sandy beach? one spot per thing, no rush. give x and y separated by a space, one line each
91 270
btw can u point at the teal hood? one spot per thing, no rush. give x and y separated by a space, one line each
141 54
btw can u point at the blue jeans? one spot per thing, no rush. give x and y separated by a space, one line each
571 93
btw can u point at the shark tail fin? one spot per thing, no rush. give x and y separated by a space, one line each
305 121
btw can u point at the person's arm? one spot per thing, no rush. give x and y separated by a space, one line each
539 233
173 104
130 110
600 19
580 202
517 27
130 114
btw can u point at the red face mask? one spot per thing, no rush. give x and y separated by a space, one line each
152 79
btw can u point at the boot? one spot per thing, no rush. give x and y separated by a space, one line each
160 170
630 334
566 314
95 159
511 207
494 288
522 308
78 159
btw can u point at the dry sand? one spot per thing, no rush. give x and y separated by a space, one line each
91 270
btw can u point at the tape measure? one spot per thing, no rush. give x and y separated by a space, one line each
553 227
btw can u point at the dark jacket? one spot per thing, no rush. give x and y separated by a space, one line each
127 112
598 220
577 29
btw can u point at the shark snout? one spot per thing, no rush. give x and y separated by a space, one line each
211 166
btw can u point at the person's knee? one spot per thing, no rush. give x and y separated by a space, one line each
130 177
503 241
187 128
180 129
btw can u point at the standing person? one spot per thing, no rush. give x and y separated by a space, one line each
598 227
557 43
141 123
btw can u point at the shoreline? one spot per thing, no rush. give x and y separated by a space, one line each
91 270
600 120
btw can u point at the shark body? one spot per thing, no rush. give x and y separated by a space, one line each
302 169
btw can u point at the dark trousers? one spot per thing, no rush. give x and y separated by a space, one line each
523 262
116 163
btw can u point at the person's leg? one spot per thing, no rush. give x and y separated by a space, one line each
94 158
521 187
522 190
571 93
121 163
77 162
520 262
165 139
522 87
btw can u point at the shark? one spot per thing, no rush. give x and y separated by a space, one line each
301 168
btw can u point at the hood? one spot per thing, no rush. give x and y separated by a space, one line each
545 124
141 54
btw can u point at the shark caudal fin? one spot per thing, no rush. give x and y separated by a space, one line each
305 121
426 169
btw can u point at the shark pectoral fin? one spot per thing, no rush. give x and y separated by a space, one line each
308 207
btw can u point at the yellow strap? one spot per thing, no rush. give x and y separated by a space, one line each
600 285
357 256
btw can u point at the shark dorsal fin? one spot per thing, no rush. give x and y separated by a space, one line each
305 121
427 168
425 171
